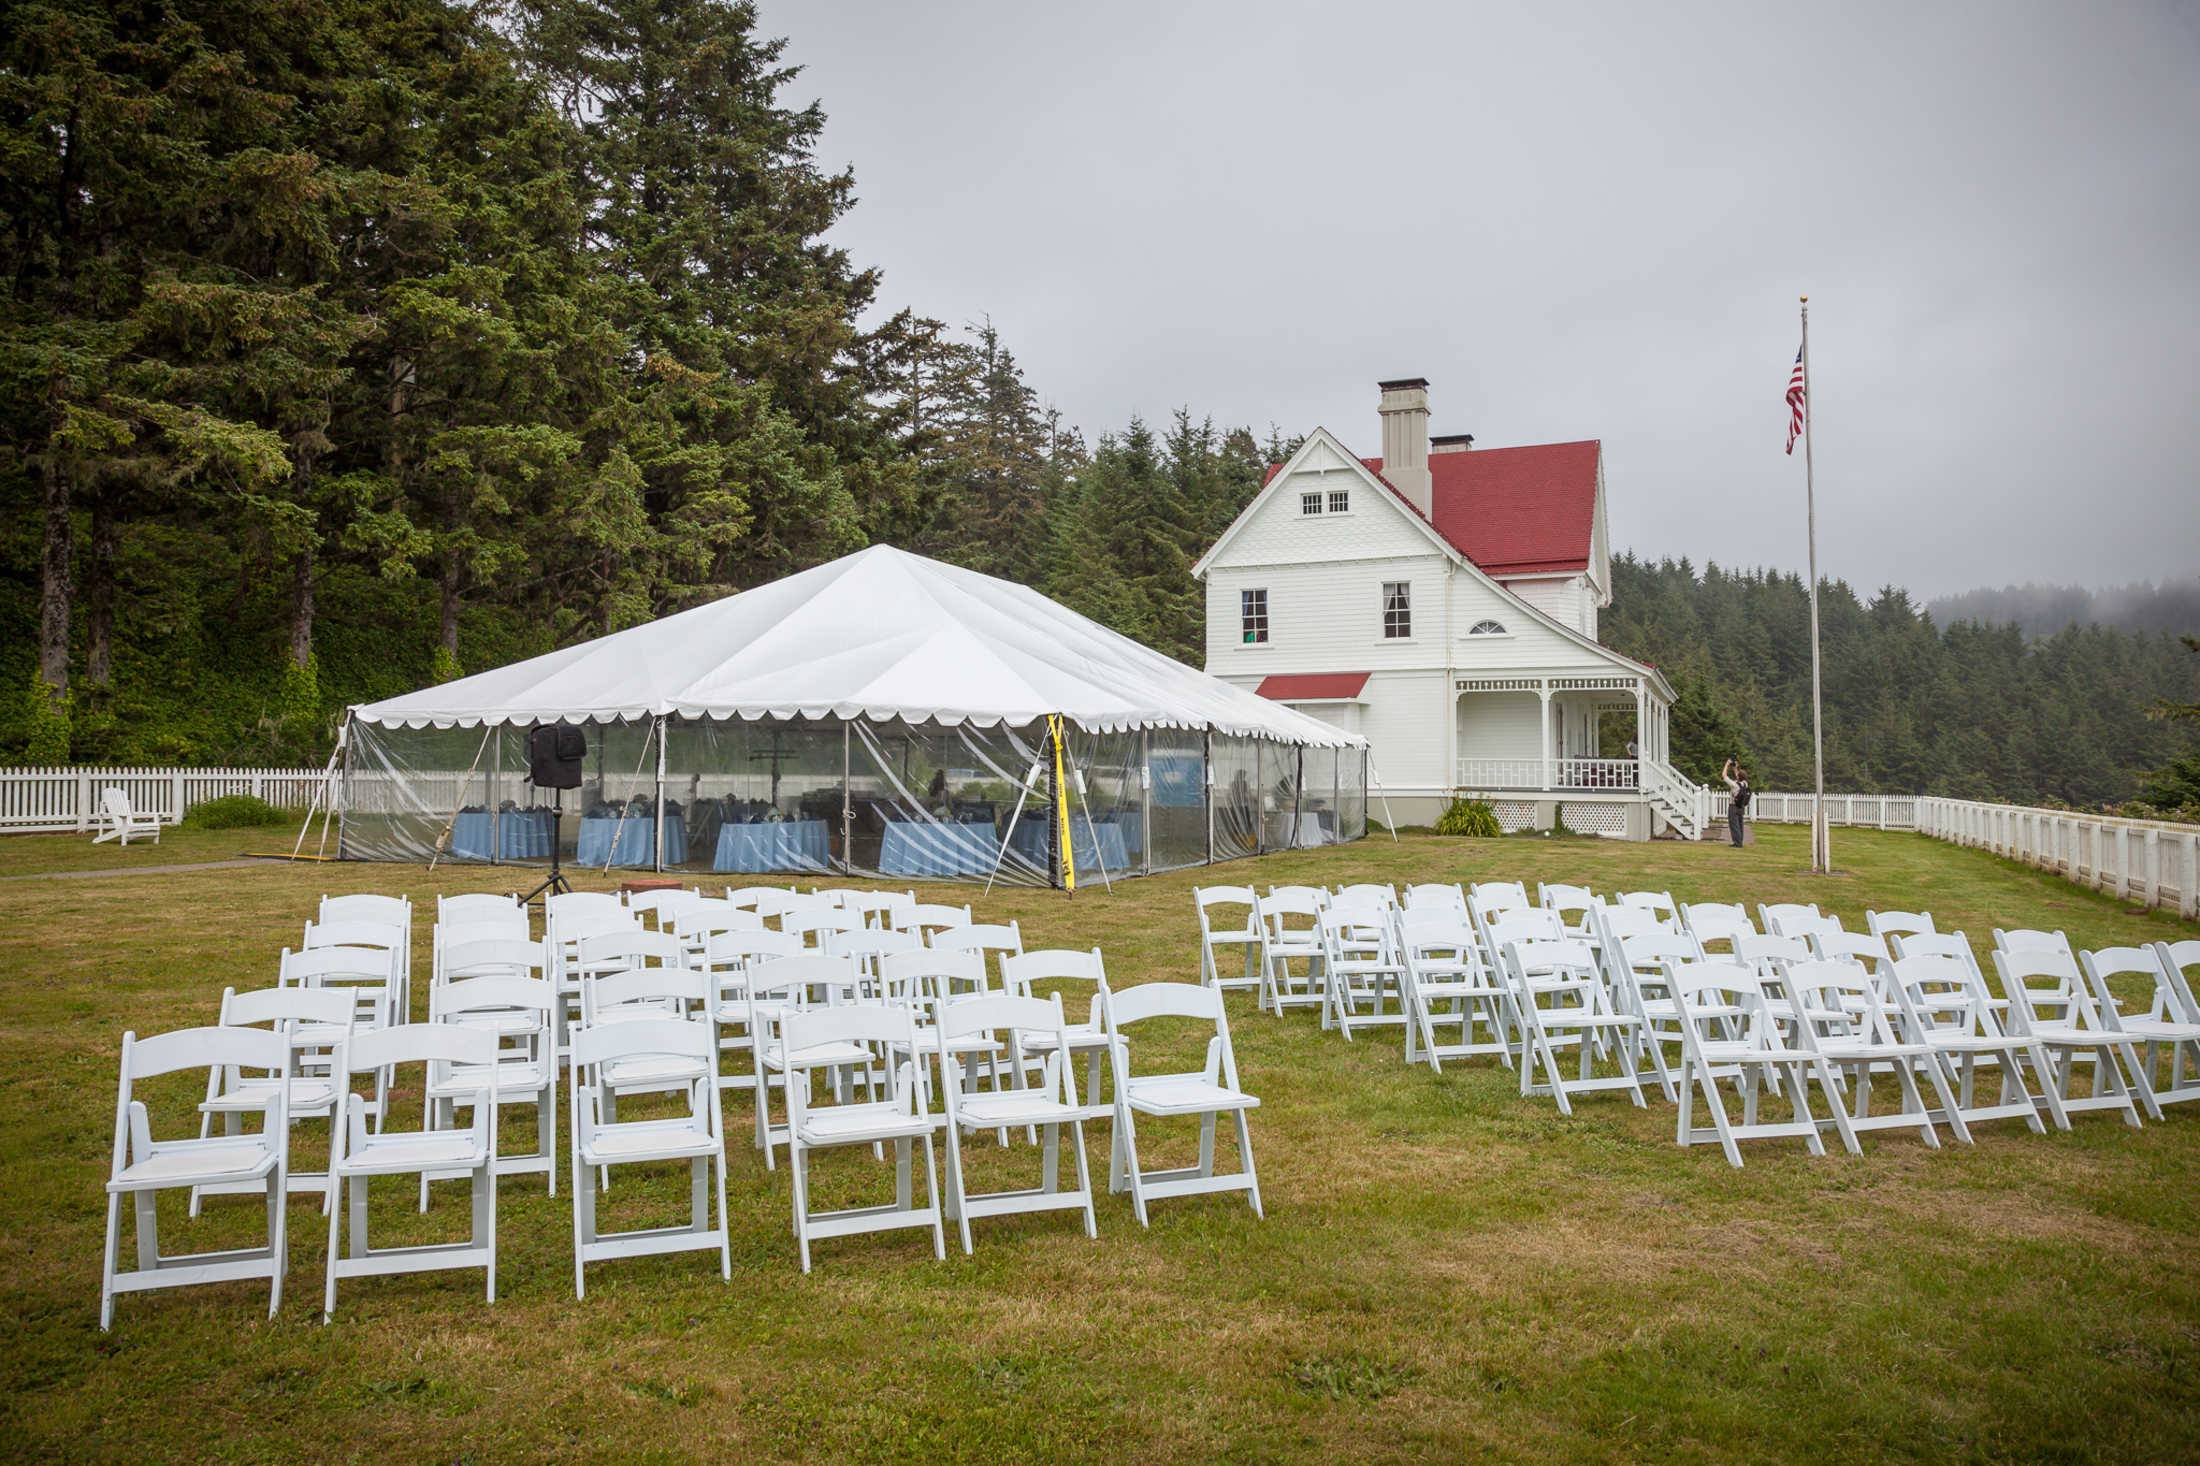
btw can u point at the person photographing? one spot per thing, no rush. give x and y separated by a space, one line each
1738 793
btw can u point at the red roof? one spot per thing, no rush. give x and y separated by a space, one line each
1314 686
1514 511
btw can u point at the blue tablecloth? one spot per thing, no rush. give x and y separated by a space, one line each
1030 841
794 845
937 850
520 834
596 837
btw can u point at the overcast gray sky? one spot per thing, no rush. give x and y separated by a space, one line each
1587 221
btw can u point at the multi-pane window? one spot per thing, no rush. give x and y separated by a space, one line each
1487 628
1310 503
1397 608
1253 615
1340 501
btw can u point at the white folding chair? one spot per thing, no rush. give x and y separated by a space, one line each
357 1154
2051 1009
1732 1032
2163 1030
902 1116
1487 898
511 926
818 926
143 1166
1290 932
1360 964
997 1021
1636 969
318 1023
1216 932
1446 985
1771 955
1945 1004
1208 1092
521 1011
1559 994
778 989
1841 1015
395 912
1900 923
1067 974
1572 903
490 957
695 1133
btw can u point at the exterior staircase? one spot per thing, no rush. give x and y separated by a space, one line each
1684 805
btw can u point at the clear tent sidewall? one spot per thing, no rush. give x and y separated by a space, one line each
890 799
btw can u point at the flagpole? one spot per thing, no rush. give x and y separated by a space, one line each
1821 848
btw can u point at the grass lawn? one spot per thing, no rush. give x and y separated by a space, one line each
23 855
1446 1269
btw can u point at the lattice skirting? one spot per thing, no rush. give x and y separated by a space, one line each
1595 819
1514 815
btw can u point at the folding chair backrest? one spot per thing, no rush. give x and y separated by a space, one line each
1434 896
706 914
1614 923
470 998
816 926
1528 924
1823 990
477 906
875 903
1954 945
927 917
731 950
1490 897
982 938
264 1050
355 933
868 944
347 966
1731 918
1906 923
1431 940
927 975
1945 993
1291 918
1713 994
480 926
1011 1016
1534 956
1655 949
286 1007
675 990
1864 948
1660 902
1383 898
389 910
621 951
641 1037
568 904
1022 974
2028 940
1165 1000
661 900
809 977
2142 964
1768 954
1319 895
494 957
864 1023
420 1043
768 901
1565 900
2044 987
1774 918
1205 899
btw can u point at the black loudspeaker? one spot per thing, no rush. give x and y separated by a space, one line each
555 753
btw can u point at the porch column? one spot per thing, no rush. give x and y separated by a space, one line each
1645 735
1550 773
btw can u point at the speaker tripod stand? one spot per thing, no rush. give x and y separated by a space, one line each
554 884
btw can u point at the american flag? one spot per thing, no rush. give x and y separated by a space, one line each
1795 402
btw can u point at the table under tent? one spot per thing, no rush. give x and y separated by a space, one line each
882 715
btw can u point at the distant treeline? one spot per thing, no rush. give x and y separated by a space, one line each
1966 711
2043 610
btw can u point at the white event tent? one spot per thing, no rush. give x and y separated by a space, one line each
883 714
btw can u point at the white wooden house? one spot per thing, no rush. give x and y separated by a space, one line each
1442 600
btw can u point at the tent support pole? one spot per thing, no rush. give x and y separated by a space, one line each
328 805
496 813
657 846
1054 804
847 799
1367 766
320 798
1145 801
1207 788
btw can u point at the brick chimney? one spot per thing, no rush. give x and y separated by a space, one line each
1405 440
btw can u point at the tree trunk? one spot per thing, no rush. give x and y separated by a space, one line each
301 607
99 596
450 602
53 608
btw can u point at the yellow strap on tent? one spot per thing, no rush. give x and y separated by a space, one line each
1061 806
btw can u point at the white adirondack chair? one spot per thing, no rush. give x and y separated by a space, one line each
120 821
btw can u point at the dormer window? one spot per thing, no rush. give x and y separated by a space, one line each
1310 503
1487 628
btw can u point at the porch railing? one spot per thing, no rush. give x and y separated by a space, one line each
1553 774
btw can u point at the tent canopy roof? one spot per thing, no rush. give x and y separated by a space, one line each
880 635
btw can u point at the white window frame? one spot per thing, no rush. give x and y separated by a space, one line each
1477 631
1310 503
1340 501
1246 615
1406 588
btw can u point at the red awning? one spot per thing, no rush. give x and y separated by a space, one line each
1315 686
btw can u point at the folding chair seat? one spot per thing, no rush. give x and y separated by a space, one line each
1447 984
522 1012
643 994
2050 1007
902 1116
1208 1093
143 1166
1731 1032
318 1023
1558 994
695 1134
1290 933
1945 1004
777 990
1636 968
1360 964
1885 924
1217 931
356 1155
1573 905
1019 1026
1841 1015
1658 903
925 918
2164 1030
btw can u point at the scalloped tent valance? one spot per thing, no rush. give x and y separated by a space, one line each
880 635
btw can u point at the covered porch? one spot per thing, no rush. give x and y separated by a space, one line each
1583 739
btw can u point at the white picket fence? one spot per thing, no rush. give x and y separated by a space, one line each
69 798
2153 863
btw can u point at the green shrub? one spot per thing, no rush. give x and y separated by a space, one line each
48 740
234 812
1471 817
